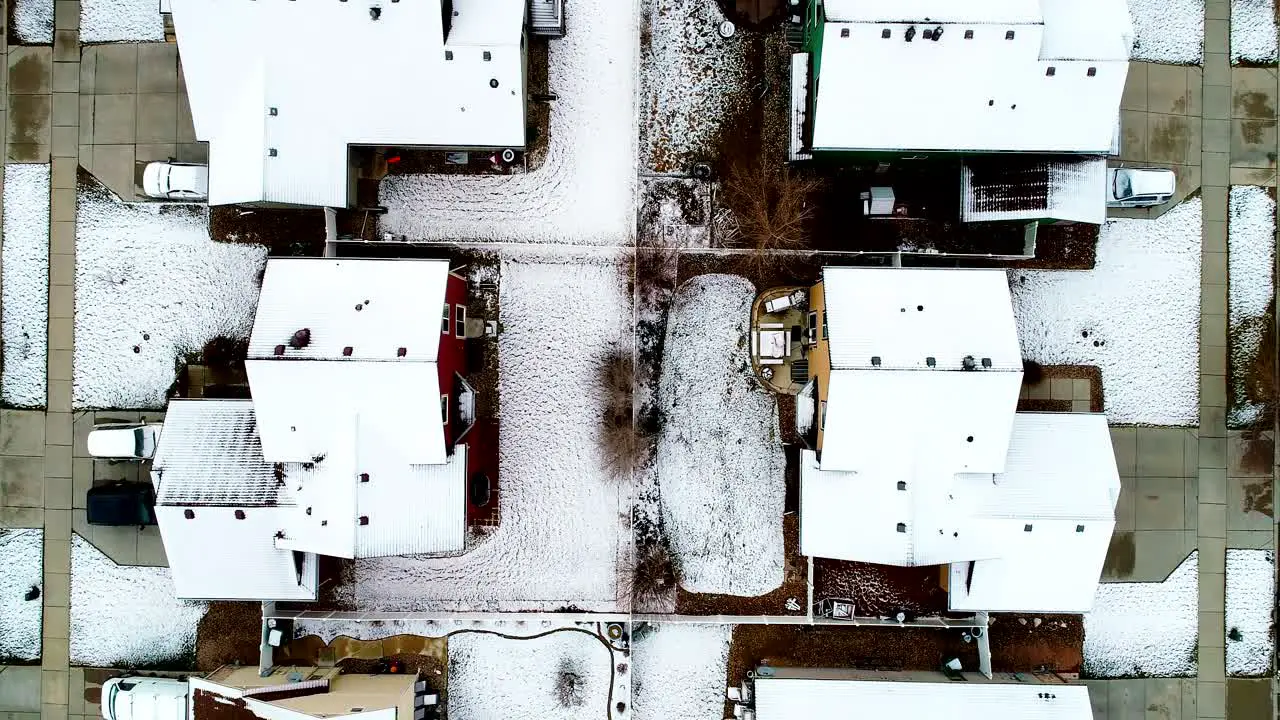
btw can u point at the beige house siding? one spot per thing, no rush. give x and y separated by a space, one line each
820 356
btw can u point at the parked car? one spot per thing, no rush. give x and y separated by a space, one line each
176 181
121 503
124 441
1139 187
144 698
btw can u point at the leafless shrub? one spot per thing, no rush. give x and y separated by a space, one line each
770 206
653 580
625 444
570 684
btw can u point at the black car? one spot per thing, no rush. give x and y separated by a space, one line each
121 503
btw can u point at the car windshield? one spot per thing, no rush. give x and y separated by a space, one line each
1123 188
111 700
140 443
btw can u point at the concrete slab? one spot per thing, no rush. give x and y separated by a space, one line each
1135 87
65 140
66 77
29 120
1195 81
1213 521
1217 101
66 45
30 70
1159 451
1168 138
118 543
1249 699
113 165
157 118
1251 539
1164 699
1211 699
151 548
22 432
1127 699
1133 136
1097 697
1216 135
57 590
157 68
1249 503
20 688
1145 555
1253 143
1251 176
1160 503
66 15
116 69
1253 93
1250 454
22 481
1166 89
114 119
1124 441
1127 505
66 109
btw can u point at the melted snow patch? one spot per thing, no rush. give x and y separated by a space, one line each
1168 31
719 461
1251 287
1144 629
563 517
584 193
109 21
1253 31
691 80
33 25
680 671
1251 586
1136 314
127 616
562 676
150 287
25 281
22 557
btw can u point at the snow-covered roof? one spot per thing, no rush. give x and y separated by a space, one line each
210 454
375 307
279 108
1007 76
309 409
1060 481
905 316
1000 187
219 555
803 699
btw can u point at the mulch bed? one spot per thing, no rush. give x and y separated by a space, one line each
1258 386
880 590
228 633
1053 642
795 582
1066 246
285 232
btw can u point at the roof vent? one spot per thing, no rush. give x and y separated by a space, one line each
968 363
189 514
1026 528
308 511
902 527
844 32
919 308
401 352
902 484
968 34
875 360
886 33
375 12
271 152
927 34
274 112
488 56
448 54
1008 35
931 361
279 350
239 514
364 519
1050 71
910 34
346 351
300 339
986 363
969 439
359 307
364 477
937 33
1079 528
1092 71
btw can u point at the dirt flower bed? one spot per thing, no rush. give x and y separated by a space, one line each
228 633
298 233
880 590
1025 643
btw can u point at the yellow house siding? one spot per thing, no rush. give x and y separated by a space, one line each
819 355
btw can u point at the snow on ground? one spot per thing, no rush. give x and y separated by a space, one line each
691 80
150 287
22 557
25 281
679 671
584 193
566 675
127 616
1136 314
1250 274
1251 586
564 520
719 455
1144 629
1253 31
1168 31
108 21
33 22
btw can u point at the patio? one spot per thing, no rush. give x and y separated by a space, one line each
779 346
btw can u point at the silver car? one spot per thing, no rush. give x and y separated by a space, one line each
1139 187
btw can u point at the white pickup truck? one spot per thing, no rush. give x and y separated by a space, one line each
144 698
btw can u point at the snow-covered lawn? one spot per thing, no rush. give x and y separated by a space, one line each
150 287
1250 621
125 616
1136 314
25 281
21 561
1144 629
1168 31
108 21
690 81
584 193
1253 31
680 671
566 675
719 459
33 22
1251 288
565 521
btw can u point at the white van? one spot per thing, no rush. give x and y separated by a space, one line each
144 698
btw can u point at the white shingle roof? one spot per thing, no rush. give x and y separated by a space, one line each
210 454
805 699
995 91
416 95
1000 187
375 307
216 556
906 315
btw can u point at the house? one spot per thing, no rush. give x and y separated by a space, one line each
845 695
302 693
921 459
304 82
1038 81
354 444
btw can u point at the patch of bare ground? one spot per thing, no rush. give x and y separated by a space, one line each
794 586
1038 378
228 634
1063 246
284 232
880 590
1028 643
1253 379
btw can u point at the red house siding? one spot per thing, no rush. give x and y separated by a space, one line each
452 357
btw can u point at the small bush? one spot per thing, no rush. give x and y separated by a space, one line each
654 577
570 685
1032 372
225 351
624 443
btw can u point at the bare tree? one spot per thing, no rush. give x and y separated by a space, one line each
771 207
653 579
